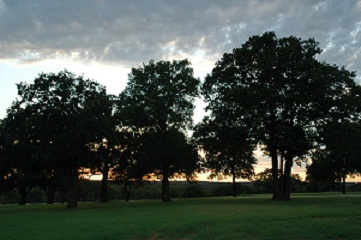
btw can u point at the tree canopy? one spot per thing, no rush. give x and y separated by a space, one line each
59 113
339 155
227 150
158 103
277 88
271 93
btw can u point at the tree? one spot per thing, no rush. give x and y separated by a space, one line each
321 174
29 152
108 140
277 88
166 154
5 168
228 150
62 120
129 167
340 154
265 179
158 101
21 151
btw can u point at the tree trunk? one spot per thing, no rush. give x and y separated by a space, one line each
165 186
104 188
281 174
127 190
275 181
343 183
234 186
62 197
282 163
73 190
287 178
23 195
50 196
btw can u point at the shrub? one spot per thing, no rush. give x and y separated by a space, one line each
3 200
193 191
37 195
11 197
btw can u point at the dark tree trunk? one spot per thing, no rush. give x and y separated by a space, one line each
234 186
23 195
343 184
73 190
50 196
277 193
282 163
104 188
281 174
287 178
165 187
127 190
62 197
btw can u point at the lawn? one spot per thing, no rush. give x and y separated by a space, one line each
307 216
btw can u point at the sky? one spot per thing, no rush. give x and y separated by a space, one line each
104 39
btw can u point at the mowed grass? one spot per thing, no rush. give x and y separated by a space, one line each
306 216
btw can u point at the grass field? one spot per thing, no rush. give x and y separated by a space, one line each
307 216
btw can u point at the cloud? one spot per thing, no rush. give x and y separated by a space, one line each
130 32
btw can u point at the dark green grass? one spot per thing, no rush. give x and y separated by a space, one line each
307 216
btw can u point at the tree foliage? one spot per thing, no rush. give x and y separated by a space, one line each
160 96
129 167
59 113
277 88
158 103
228 150
271 91
339 156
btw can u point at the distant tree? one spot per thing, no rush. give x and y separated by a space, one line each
228 150
128 167
5 168
63 121
108 138
21 151
277 88
265 179
29 151
167 154
321 173
103 160
158 103
341 155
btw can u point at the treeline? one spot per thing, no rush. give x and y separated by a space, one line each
89 191
271 92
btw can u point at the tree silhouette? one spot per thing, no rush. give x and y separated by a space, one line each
280 91
340 154
60 117
128 166
228 150
22 150
158 101
106 148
